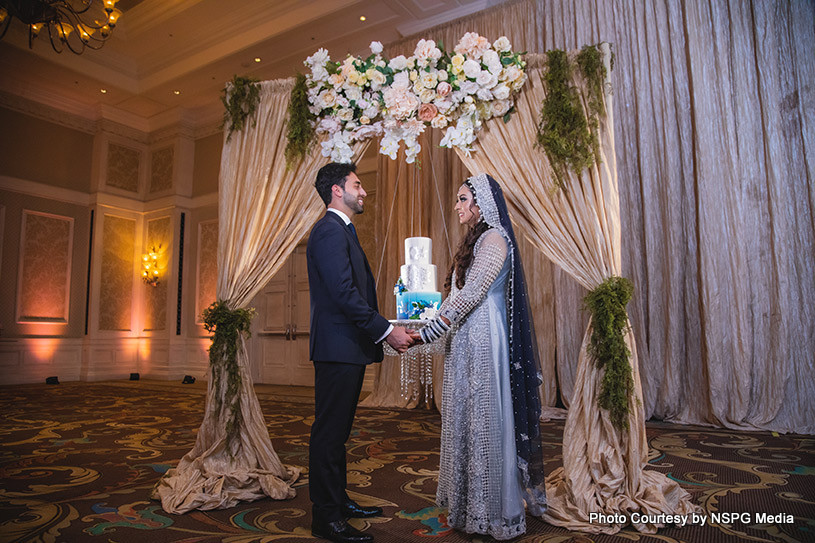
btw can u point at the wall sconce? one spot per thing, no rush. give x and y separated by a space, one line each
150 273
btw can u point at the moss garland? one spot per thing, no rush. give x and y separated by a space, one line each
240 98
590 62
608 348
566 132
300 132
227 325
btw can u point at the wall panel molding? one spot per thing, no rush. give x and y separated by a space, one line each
44 272
206 267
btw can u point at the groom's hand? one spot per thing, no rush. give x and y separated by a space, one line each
399 339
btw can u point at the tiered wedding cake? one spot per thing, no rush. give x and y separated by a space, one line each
416 294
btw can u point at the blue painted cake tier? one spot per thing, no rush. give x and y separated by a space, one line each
411 305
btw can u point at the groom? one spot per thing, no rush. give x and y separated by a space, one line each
346 335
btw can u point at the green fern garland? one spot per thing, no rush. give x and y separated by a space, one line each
566 132
240 98
300 132
590 62
607 346
227 325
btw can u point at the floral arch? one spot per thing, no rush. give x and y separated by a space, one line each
543 125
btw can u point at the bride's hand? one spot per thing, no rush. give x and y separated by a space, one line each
416 336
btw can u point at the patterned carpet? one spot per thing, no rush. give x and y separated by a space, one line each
78 461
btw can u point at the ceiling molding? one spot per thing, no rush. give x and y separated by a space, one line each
419 25
63 116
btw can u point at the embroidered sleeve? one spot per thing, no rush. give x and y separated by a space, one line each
488 259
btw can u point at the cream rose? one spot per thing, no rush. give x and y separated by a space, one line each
427 95
500 107
439 121
429 80
327 98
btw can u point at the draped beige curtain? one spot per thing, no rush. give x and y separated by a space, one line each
714 125
264 211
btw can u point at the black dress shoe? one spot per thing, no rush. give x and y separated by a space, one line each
339 531
352 509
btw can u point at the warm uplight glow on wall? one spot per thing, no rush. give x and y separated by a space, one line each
43 349
150 261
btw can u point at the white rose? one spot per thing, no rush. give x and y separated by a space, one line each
511 73
484 94
502 44
328 125
501 92
345 114
469 87
371 111
442 75
444 105
354 94
492 60
471 68
398 63
401 80
487 79
376 47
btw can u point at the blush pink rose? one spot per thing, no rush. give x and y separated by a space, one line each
443 89
427 112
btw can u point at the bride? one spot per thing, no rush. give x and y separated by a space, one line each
491 459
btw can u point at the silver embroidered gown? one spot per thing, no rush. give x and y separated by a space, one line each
479 479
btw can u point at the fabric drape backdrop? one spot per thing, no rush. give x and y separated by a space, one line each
264 211
714 123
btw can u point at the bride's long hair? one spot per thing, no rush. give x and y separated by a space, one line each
464 256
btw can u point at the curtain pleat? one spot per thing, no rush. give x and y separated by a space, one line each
714 124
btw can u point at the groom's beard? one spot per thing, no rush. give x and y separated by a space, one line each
352 202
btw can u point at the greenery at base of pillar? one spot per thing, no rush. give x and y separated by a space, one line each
566 132
607 346
226 325
240 98
300 132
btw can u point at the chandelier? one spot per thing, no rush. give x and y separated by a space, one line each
73 23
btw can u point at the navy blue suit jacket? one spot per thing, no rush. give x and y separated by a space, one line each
345 321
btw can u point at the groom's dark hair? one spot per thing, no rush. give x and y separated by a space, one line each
333 173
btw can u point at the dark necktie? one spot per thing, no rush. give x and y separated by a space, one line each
353 231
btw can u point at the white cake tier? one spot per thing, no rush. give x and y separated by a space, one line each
418 251
419 277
